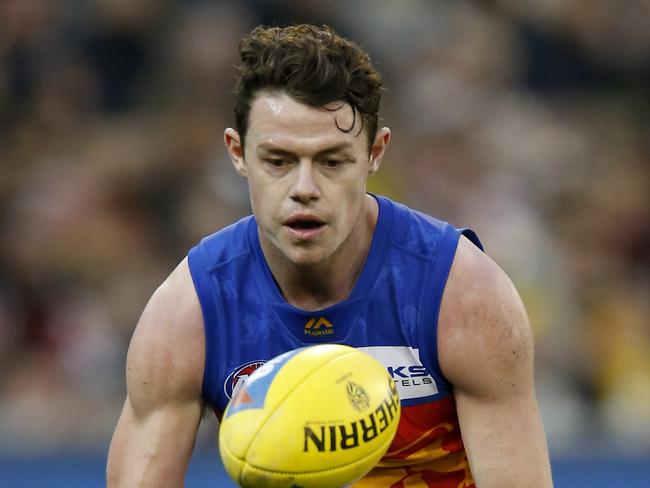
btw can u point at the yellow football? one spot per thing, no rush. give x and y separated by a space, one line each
315 417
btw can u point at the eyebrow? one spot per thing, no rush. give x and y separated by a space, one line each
283 152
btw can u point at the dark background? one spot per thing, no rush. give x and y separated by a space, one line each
527 120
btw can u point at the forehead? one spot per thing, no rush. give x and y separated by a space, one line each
276 118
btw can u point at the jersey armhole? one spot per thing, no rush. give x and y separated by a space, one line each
473 238
431 299
204 290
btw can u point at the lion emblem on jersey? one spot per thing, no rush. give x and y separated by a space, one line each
358 396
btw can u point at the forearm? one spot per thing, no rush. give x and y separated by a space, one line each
151 452
506 449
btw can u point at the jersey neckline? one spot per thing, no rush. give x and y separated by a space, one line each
371 267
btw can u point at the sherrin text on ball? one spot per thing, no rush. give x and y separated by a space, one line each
315 417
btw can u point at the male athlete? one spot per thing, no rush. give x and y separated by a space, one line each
321 260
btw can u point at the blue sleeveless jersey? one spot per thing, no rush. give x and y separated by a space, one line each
391 313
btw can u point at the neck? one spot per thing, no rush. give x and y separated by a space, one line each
324 284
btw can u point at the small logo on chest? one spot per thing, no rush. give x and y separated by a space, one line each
235 380
320 326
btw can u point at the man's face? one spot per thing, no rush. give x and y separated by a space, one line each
306 177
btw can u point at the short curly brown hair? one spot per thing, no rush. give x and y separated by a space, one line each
313 65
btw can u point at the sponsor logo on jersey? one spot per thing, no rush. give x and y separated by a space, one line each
236 379
403 364
325 436
317 327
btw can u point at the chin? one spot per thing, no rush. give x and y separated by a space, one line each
306 259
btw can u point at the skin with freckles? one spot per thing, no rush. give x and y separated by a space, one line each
307 182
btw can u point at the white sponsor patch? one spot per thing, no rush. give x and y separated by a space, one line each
403 364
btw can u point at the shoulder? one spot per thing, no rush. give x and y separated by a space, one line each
413 230
223 245
166 355
484 335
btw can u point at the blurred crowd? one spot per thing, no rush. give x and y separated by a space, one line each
526 120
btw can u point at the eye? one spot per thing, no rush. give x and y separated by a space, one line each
332 163
276 162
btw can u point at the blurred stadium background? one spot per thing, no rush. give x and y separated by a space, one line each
528 120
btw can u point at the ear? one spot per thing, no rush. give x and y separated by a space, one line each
235 150
378 149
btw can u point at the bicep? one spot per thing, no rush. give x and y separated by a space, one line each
486 351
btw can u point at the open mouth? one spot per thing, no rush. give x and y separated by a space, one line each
305 224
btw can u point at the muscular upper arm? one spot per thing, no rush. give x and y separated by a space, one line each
486 351
155 434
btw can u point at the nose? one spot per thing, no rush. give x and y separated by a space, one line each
304 187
